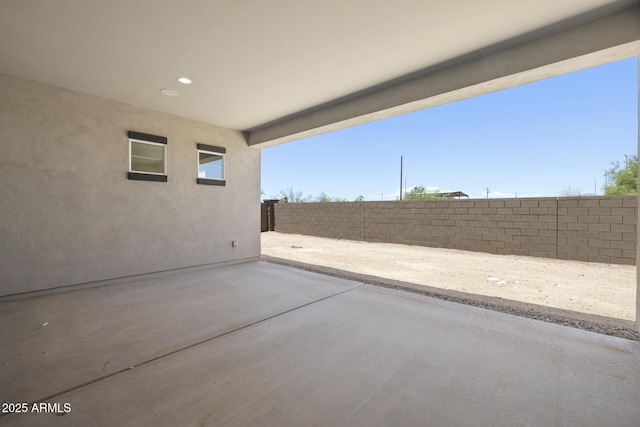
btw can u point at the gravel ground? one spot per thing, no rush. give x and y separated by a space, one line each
590 296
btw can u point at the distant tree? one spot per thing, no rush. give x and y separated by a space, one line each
359 199
570 192
419 193
291 196
323 197
625 179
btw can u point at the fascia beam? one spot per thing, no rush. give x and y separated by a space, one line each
605 39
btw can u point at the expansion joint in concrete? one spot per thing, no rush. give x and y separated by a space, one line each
190 346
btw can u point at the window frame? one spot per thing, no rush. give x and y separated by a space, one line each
218 151
155 140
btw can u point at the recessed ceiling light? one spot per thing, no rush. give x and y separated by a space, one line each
168 92
184 80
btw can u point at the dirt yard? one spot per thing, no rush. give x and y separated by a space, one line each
600 289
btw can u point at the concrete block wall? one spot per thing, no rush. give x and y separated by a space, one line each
338 220
598 229
595 229
520 227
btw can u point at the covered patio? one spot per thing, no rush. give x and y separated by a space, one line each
134 294
257 343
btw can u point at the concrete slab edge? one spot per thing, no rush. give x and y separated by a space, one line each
113 281
588 322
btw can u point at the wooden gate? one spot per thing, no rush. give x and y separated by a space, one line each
268 215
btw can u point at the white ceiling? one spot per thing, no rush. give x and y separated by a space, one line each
256 61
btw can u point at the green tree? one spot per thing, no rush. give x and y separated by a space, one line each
323 197
359 199
622 180
419 193
292 196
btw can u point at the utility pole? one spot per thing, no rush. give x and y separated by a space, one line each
487 192
400 177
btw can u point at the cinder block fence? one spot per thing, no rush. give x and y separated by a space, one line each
594 229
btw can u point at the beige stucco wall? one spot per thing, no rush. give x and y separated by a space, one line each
68 213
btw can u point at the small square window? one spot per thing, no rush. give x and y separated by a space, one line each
211 165
147 157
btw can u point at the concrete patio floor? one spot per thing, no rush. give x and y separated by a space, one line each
264 344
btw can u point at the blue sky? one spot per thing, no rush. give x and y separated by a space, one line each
533 140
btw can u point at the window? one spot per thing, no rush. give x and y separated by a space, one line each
211 165
147 157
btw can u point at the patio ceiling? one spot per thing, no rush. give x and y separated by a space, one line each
255 62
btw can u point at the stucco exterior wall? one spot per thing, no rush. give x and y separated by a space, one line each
593 229
68 213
